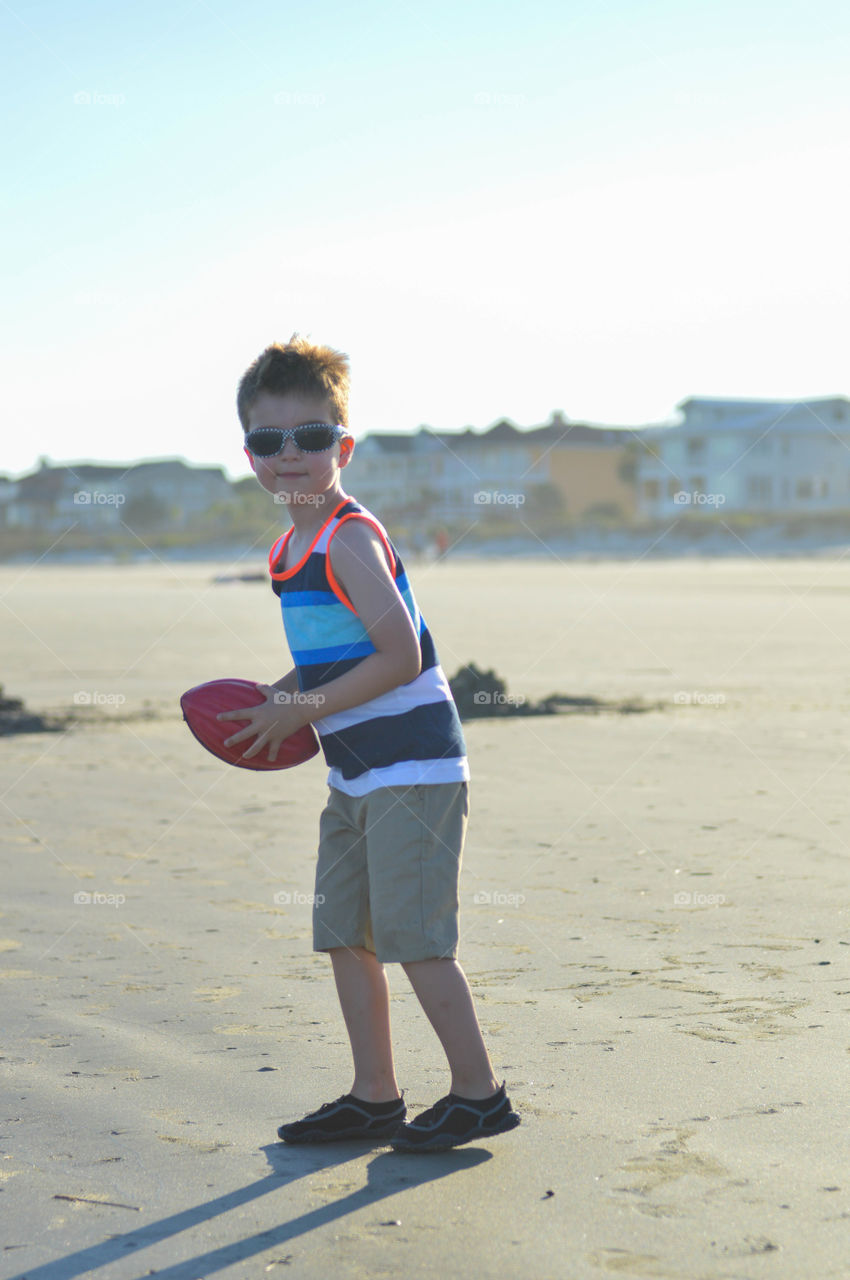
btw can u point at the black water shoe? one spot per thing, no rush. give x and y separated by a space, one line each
455 1120
348 1117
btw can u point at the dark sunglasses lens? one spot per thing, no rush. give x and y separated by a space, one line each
315 439
264 442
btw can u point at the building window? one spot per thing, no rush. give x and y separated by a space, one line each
760 488
673 487
805 489
695 446
651 490
824 489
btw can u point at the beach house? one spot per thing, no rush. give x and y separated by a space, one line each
770 456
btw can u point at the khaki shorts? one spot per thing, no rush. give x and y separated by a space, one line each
387 876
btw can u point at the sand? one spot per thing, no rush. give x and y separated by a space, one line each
659 945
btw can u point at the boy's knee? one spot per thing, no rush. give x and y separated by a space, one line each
419 966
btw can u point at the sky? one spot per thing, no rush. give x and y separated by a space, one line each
600 207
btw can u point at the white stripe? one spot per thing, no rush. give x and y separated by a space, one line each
407 773
429 686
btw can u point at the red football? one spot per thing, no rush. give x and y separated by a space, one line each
202 704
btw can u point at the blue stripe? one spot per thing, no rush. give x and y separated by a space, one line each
302 599
429 732
308 629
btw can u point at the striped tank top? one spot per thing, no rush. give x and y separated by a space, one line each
410 735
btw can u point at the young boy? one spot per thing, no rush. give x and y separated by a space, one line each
391 836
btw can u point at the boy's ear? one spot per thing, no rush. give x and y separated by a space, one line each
346 449
250 458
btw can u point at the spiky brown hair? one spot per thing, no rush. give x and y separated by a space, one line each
297 365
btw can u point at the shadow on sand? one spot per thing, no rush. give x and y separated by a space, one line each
388 1174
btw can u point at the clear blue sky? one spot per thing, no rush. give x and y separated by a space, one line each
496 209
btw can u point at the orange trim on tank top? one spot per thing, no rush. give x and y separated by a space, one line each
329 573
273 559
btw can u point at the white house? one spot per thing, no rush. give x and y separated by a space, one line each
770 456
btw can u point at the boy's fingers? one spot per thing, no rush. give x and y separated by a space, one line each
241 713
240 736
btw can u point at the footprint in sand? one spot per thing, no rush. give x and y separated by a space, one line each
216 993
669 1163
196 1144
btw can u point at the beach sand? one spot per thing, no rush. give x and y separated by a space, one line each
654 921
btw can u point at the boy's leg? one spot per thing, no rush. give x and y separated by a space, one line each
364 997
443 991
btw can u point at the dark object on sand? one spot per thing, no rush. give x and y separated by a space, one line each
481 694
253 576
14 718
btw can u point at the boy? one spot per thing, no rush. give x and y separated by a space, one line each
391 836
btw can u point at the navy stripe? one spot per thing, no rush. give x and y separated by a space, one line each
335 653
312 674
429 732
429 653
310 577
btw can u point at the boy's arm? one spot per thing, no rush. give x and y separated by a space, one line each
360 566
287 683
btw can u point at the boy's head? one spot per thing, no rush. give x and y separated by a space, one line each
300 367
292 402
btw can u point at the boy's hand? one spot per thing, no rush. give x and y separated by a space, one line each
269 722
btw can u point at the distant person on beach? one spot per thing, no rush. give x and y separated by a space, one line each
391 836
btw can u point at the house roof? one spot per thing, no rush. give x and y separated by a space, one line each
557 432
827 413
752 405
49 481
389 441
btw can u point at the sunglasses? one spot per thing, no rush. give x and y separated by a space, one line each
312 437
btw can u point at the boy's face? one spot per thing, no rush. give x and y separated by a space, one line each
294 471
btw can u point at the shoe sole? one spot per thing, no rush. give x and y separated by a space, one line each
442 1143
348 1135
